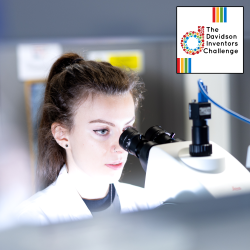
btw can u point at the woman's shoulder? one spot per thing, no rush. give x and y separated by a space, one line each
38 198
32 209
136 197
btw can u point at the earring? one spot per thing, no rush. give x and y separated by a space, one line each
66 145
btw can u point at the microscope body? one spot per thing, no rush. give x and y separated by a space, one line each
173 175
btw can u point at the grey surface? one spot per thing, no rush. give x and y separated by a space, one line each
28 19
218 224
12 102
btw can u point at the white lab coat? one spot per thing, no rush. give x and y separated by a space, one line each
60 202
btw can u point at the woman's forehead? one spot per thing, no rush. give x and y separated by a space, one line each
115 108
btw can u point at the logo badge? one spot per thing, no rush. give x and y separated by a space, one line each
192 42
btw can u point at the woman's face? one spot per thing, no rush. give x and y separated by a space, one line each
94 140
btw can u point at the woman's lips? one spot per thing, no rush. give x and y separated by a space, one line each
114 166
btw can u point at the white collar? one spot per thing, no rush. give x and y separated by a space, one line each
69 197
75 204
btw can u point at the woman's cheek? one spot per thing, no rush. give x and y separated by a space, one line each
102 146
102 138
99 144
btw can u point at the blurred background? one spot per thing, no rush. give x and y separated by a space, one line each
142 33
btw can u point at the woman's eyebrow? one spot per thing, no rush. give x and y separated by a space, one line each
109 123
102 121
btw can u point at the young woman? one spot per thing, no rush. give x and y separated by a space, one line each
87 105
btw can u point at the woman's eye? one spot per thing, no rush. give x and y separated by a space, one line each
101 132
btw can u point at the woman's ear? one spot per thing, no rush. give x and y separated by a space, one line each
60 134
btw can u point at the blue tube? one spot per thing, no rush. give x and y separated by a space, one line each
236 115
201 97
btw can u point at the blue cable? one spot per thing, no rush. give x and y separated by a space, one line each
236 115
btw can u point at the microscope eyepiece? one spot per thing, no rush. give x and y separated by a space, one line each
130 139
136 144
139 145
160 136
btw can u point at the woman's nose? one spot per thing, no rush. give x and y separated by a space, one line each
116 148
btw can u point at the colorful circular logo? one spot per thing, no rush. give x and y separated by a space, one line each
192 42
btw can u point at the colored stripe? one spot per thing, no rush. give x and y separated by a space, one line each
213 14
186 65
221 14
189 65
225 14
178 65
217 14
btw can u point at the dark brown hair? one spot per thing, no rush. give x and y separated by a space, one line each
71 80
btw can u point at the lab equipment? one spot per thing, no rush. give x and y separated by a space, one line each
182 171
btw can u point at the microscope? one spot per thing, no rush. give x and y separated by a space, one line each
182 171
